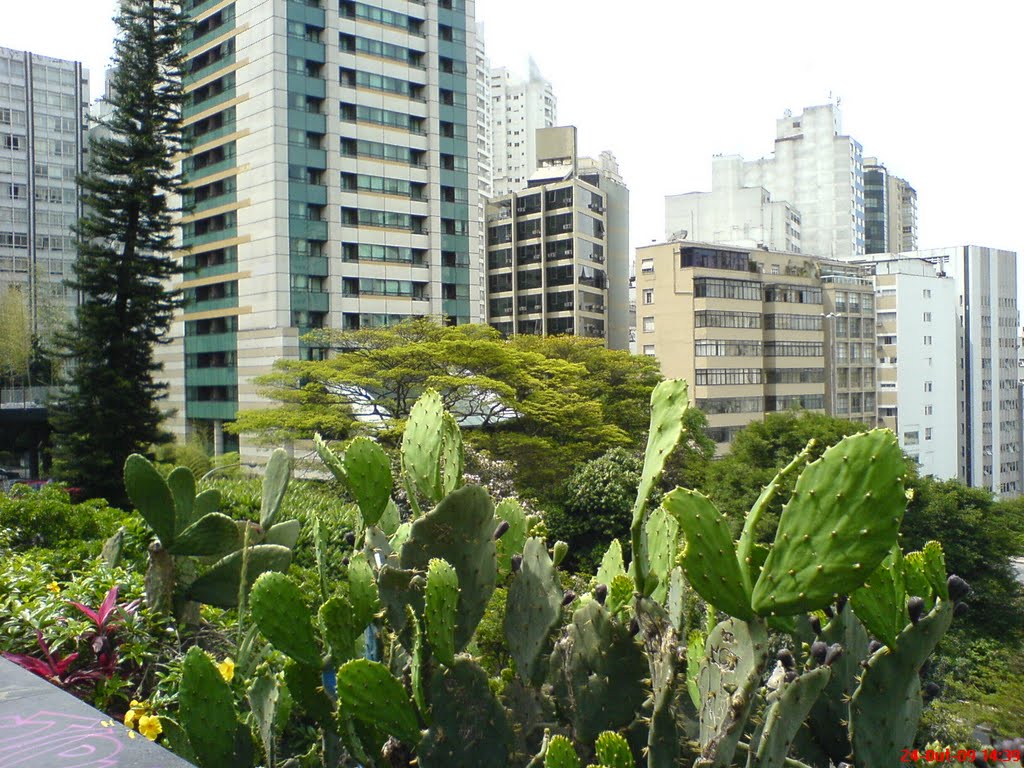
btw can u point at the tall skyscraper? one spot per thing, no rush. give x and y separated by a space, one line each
820 172
43 113
890 210
331 182
519 107
558 251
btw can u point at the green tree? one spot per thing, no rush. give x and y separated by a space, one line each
979 536
15 335
537 405
109 406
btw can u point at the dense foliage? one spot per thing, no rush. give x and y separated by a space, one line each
110 403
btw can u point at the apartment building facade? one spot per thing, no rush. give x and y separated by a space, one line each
557 251
43 118
747 329
331 182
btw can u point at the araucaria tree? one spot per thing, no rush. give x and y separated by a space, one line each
109 406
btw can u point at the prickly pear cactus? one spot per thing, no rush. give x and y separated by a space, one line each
669 401
886 708
212 534
561 754
612 564
533 608
460 530
368 692
149 493
368 476
514 539
469 728
281 614
207 711
837 527
786 711
734 657
881 604
598 672
275 483
422 445
440 605
709 559
219 585
182 484
612 751
662 533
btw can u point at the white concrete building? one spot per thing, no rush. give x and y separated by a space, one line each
820 172
332 182
43 112
916 313
983 344
484 156
519 107
733 214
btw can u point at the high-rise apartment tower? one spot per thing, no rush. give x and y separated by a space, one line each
331 182
519 107
43 109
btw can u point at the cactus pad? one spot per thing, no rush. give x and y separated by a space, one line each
735 654
212 534
709 559
533 608
598 671
440 604
452 455
182 484
340 628
881 604
669 401
612 751
330 459
206 502
399 588
207 711
362 590
886 707
284 534
305 684
275 483
561 754
149 493
422 443
694 657
368 692
662 539
460 531
282 616
837 527
611 564
469 728
786 712
512 543
368 474
219 585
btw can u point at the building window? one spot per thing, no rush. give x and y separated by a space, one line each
927 433
927 386
926 293
911 438
647 266
927 341
928 410
648 325
927 317
648 295
649 350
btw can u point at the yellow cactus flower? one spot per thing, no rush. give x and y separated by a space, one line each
149 726
54 587
227 669
130 717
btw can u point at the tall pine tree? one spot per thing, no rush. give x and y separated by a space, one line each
109 405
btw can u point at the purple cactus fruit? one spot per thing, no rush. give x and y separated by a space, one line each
915 607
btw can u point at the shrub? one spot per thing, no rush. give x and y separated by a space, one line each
47 518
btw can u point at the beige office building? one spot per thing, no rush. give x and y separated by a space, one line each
756 331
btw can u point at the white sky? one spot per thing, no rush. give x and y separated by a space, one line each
930 88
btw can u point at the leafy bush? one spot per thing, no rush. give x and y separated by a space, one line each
47 518
597 507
